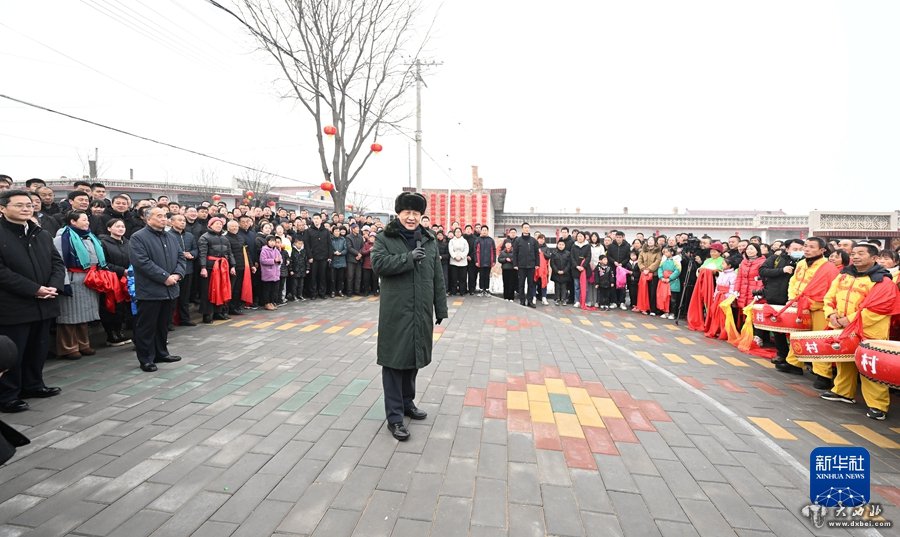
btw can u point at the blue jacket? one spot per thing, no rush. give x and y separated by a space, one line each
155 255
339 244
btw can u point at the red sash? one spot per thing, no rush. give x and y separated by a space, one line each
664 292
246 284
702 297
107 283
643 298
219 282
883 299
815 290
582 294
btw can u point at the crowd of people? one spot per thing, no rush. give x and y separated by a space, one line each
147 265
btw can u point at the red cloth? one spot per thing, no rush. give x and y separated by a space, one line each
664 292
702 298
582 295
219 282
247 283
715 315
643 298
883 299
745 342
542 272
815 290
107 283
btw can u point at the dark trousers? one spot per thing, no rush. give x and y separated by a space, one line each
446 268
399 392
237 283
295 286
354 278
561 291
318 278
458 280
472 276
196 280
633 293
112 321
484 278
256 280
207 307
368 281
604 295
781 344
654 283
338 275
526 275
509 284
184 298
673 302
32 341
269 293
620 295
151 329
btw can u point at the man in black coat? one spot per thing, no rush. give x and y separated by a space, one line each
318 247
776 275
525 258
188 244
159 264
31 273
471 266
119 209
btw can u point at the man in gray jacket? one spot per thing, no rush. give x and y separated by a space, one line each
159 264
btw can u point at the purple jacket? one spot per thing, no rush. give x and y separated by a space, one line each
271 272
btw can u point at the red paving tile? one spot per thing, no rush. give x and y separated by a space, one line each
516 383
692 381
653 411
636 420
496 390
599 440
805 390
892 494
772 390
619 430
610 335
623 399
550 372
659 339
533 377
518 421
595 389
572 379
474 397
730 386
546 436
578 454
439 329
495 408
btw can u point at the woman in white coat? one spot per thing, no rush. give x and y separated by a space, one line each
459 249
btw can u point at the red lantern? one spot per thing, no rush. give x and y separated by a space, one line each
349 207
327 186
217 197
376 148
330 130
272 203
249 194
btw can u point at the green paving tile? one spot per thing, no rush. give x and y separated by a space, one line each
217 394
257 397
337 405
65 381
112 381
245 378
316 385
135 389
180 390
561 403
376 412
170 374
214 373
298 400
282 380
356 387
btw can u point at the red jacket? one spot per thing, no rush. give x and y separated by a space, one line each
748 280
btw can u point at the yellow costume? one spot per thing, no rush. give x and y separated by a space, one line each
803 274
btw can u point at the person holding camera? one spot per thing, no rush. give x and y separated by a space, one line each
776 274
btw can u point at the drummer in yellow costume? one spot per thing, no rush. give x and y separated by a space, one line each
842 307
814 269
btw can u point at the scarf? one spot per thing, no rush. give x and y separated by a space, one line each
409 236
75 254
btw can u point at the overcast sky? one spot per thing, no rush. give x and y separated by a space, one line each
787 105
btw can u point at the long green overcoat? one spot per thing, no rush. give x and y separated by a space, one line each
412 295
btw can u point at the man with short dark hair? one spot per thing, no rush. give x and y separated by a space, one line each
34 183
6 182
188 244
618 254
485 256
471 268
318 247
98 193
525 259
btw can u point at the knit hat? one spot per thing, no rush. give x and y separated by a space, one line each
213 220
410 201
717 246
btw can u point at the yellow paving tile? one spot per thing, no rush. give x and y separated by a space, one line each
536 392
311 327
644 355
457 302
635 337
264 325
334 329
568 425
606 407
607 324
774 430
579 396
674 358
878 439
556 386
588 415
734 361
672 327
358 331
822 433
242 323
566 320
896 429
541 412
703 359
628 325
587 322
435 336
517 400
650 326
684 340
286 326
217 323
763 362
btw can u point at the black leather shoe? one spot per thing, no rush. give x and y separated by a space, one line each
187 323
788 368
235 312
399 431
19 405
415 413
169 358
46 391
531 305
149 368
207 319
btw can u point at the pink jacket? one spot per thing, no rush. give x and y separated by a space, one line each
270 269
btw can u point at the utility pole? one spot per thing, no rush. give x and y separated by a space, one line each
419 83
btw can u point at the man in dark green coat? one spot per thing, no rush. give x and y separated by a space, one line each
406 258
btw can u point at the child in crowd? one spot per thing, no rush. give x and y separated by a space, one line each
368 276
298 271
605 282
561 271
270 261
668 274
285 269
633 279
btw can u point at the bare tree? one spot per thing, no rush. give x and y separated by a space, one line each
257 181
359 202
208 181
347 62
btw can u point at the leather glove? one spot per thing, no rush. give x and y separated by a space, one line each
418 254
438 321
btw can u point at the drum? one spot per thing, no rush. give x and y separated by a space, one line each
789 321
823 346
879 361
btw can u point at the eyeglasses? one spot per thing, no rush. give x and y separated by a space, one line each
21 205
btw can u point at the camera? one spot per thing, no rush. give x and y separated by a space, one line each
758 293
691 246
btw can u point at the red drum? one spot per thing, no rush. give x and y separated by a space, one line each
823 346
789 321
879 361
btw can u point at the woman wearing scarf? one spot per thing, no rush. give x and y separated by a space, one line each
216 262
115 250
80 250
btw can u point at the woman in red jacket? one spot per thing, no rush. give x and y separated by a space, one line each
748 275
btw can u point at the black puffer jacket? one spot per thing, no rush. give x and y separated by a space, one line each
116 252
214 245
775 279
618 253
318 243
236 240
525 252
444 251
561 261
28 261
